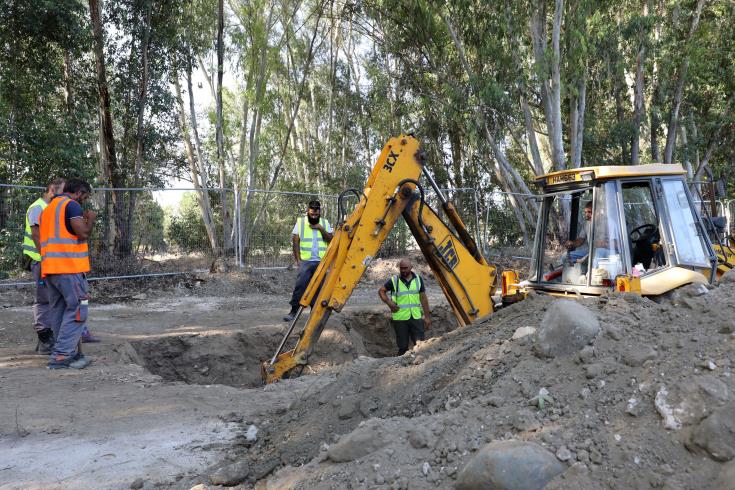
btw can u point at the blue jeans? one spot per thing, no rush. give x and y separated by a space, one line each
67 315
577 253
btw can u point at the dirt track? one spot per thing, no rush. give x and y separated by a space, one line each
116 422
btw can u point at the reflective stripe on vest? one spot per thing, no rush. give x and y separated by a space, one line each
61 251
306 239
408 298
29 247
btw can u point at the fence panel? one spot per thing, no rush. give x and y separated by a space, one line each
138 232
142 232
268 218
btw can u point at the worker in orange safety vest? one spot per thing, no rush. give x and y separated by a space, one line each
64 231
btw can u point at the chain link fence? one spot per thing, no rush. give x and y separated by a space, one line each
149 232
138 232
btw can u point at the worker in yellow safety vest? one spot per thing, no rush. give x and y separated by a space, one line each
310 238
408 304
64 232
32 262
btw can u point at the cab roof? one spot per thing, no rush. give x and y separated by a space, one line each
610 172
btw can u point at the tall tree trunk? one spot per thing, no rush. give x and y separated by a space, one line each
219 123
139 136
556 133
107 136
203 169
196 179
679 90
68 89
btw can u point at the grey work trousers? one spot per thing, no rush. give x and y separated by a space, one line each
68 304
40 305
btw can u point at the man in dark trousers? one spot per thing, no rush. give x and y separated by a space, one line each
310 237
64 231
408 304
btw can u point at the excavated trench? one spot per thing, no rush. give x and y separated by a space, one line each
233 357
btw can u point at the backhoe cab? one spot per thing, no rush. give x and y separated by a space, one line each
618 227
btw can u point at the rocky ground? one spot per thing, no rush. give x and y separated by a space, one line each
614 392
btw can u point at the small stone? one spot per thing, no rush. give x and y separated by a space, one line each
727 328
587 354
137 484
583 456
635 356
379 479
525 420
614 332
595 456
634 407
563 454
251 435
425 468
419 437
230 475
585 393
523 332
594 370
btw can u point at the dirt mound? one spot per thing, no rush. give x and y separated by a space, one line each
623 408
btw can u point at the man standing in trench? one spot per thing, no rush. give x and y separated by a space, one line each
32 257
408 304
310 237
64 232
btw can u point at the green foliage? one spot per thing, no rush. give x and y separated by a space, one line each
186 231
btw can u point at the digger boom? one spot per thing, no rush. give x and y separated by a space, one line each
392 190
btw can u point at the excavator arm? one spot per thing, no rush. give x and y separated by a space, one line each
392 190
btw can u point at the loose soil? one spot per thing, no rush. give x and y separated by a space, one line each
173 393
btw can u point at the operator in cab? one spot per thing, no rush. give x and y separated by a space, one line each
408 304
310 237
579 248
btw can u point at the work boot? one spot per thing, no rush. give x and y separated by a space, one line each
79 361
88 338
45 341
291 315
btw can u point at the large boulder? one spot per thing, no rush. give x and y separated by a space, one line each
566 327
231 474
716 433
727 277
509 465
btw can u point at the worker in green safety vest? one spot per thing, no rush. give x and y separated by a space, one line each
32 262
310 238
408 304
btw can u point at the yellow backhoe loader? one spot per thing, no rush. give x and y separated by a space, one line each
600 229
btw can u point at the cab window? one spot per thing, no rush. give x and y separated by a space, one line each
642 225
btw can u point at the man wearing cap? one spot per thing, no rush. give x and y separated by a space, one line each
310 236
32 261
